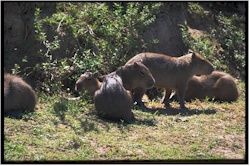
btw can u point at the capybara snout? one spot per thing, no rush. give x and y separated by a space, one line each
85 79
151 83
89 82
202 66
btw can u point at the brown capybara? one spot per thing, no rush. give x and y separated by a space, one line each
18 95
171 73
218 85
113 100
89 82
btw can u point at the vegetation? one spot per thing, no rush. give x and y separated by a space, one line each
105 36
70 130
223 44
62 129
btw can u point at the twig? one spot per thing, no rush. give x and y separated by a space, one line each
59 25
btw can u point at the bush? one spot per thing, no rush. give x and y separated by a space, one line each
223 44
232 40
106 35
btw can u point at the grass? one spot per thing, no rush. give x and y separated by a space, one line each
62 130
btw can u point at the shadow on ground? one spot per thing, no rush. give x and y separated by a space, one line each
182 112
19 114
92 121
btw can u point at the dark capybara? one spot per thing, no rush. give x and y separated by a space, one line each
89 82
113 100
18 95
171 73
218 85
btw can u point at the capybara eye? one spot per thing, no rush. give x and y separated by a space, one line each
142 73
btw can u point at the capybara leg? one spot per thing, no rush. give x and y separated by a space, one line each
181 95
138 93
130 119
165 99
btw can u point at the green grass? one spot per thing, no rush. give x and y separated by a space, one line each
70 130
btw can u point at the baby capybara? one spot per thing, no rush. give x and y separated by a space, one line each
18 95
113 100
171 73
89 82
218 85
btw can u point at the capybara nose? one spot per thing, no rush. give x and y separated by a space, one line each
212 68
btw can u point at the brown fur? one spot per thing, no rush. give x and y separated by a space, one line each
18 95
113 100
217 85
171 73
89 82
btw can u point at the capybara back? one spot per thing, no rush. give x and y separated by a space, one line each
218 86
112 101
18 95
173 73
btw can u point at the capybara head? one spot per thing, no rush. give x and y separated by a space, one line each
89 82
18 95
201 65
136 75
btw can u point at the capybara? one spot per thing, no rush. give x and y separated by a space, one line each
113 100
171 73
89 82
218 85
18 95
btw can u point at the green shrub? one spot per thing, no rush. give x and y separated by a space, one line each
106 35
232 40
223 45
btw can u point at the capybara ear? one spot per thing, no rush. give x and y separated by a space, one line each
101 78
136 64
95 75
193 55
